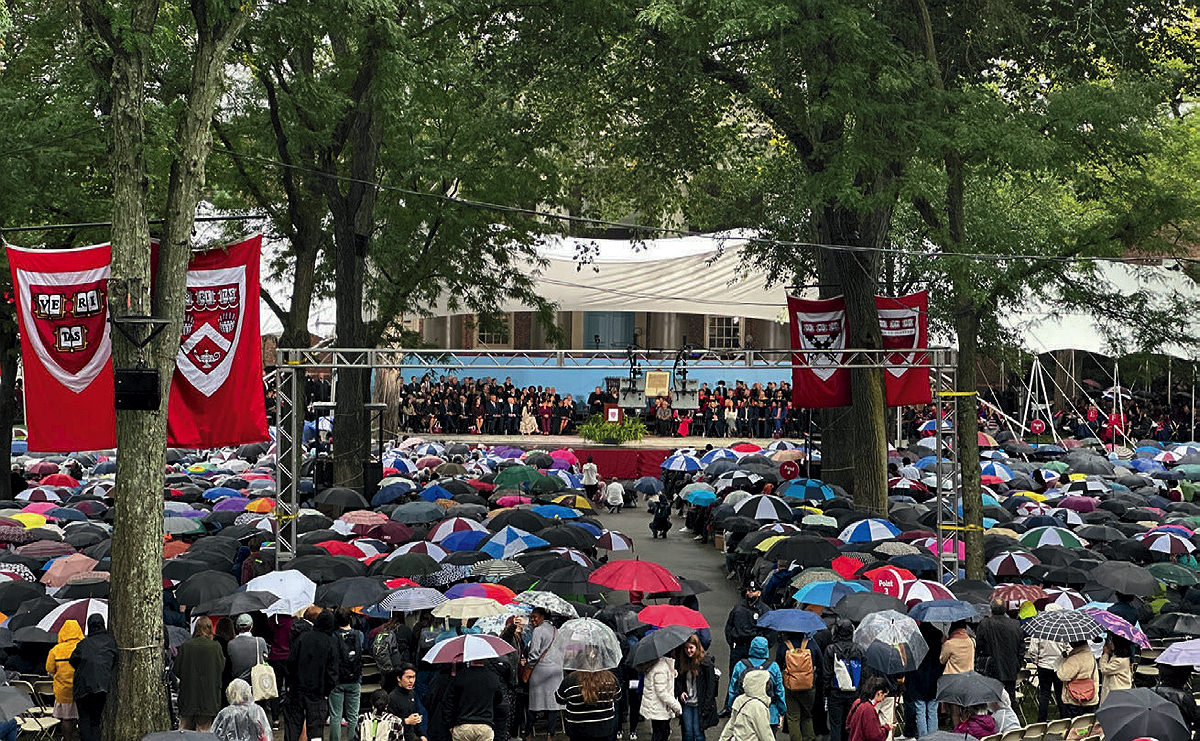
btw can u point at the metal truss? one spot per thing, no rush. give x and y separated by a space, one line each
292 364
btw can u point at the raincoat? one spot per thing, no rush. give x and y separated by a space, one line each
750 719
58 664
759 658
244 722
658 691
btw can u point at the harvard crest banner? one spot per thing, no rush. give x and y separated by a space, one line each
217 392
66 346
818 329
904 323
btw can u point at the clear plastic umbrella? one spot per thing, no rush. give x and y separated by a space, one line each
586 644
892 641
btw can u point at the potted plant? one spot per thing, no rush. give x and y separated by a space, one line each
597 430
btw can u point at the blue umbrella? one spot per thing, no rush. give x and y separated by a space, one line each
434 493
929 461
65 513
595 531
943 611
648 485
20 446
464 540
719 454
826 593
682 463
555 511
792 621
811 489
217 492
869 530
1146 465
700 497
390 493
511 541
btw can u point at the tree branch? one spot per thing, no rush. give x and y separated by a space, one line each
273 305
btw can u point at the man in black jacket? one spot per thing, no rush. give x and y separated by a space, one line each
475 705
1000 649
405 704
742 625
312 673
843 661
94 658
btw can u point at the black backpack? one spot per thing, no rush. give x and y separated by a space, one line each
350 653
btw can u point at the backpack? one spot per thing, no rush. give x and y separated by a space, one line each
350 668
749 666
798 667
846 673
662 508
383 649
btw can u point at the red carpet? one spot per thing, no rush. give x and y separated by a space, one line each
625 463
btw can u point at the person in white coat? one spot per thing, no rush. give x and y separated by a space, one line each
614 496
750 718
547 675
659 703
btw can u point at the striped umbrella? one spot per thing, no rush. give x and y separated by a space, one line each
412 599
433 550
996 470
809 489
764 507
1159 542
1012 563
496 569
1015 594
611 540
866 531
719 454
1040 536
511 541
467 648
78 610
924 590
682 463
1064 597
446 528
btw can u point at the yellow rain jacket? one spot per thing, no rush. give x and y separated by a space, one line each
58 666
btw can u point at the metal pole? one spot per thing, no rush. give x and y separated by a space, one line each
937 478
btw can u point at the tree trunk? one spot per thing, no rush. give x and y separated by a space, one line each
304 281
9 354
854 455
137 705
966 325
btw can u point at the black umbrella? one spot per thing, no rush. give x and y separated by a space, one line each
568 536
353 591
336 501
522 519
325 568
621 618
14 594
688 588
571 579
409 564
1067 576
520 582
466 558
85 588
855 607
180 736
803 550
659 643
236 603
179 569
1126 578
205 586
969 688
1141 713
1172 624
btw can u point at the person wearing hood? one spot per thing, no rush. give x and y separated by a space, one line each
976 722
659 703
759 658
750 718
312 672
241 719
199 667
58 666
93 659
742 626
844 664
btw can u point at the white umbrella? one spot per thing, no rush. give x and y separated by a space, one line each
296 591
585 644
465 608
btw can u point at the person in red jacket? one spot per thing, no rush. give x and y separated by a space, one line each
863 723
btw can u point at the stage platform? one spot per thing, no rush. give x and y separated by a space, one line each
628 461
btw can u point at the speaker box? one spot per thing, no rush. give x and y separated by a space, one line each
372 475
136 389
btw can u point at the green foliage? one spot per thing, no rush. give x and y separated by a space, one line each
598 430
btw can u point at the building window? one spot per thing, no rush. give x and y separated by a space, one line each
724 332
495 336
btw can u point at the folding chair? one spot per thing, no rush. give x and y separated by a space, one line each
1013 735
993 737
37 721
1082 726
1058 727
1034 731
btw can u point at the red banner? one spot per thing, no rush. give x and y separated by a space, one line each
904 323
66 347
818 331
217 392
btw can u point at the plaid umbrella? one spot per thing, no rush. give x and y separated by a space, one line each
1063 626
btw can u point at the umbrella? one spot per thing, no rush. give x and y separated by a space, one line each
1063 626
1012 563
467 648
967 689
826 593
659 643
637 575
856 607
585 644
354 591
1126 715
412 599
682 463
295 591
803 550
511 541
496 569
13 702
78 610
548 601
943 611
464 608
237 603
892 641
1126 578
662 615
1182 653
1118 626
792 621
180 736
611 540
1040 536
764 507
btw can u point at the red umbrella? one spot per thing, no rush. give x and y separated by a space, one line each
636 575
845 566
338 548
663 615
400 581
746 448
58 479
891 580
